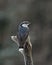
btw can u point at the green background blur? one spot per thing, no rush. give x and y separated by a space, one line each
39 13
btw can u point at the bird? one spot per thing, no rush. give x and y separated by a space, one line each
23 38
23 32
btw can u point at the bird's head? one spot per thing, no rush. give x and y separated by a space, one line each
25 24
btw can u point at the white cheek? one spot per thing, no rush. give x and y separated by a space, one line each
25 25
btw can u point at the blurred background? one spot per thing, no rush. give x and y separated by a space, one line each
39 13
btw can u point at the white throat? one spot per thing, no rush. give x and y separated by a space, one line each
25 25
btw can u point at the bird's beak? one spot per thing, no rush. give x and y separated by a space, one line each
28 23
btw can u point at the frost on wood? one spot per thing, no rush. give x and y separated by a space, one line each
26 51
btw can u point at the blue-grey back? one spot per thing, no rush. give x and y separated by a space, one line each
23 32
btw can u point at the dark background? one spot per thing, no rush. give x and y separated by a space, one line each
39 13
